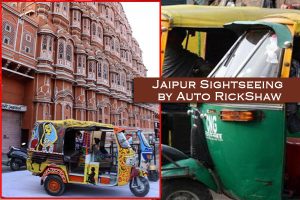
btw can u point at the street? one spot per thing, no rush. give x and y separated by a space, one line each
23 184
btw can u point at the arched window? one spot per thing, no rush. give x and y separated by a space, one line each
94 30
99 32
50 43
69 53
117 44
118 79
105 71
99 69
44 42
61 49
112 44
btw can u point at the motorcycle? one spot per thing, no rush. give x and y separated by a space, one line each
17 157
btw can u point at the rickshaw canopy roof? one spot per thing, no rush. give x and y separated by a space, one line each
282 31
194 16
71 123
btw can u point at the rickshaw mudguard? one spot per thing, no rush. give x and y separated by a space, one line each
189 168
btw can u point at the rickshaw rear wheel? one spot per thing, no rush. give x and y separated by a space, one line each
153 175
14 165
185 189
54 186
140 190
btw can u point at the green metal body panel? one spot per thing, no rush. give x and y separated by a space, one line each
194 170
248 156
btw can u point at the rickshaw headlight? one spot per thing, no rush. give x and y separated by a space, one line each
242 116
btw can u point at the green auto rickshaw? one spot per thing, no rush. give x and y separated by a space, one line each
245 151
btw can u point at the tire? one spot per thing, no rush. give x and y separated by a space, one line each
14 165
153 175
54 186
141 190
185 189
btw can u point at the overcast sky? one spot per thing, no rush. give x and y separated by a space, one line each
143 18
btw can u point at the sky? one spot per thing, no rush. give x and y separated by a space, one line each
143 18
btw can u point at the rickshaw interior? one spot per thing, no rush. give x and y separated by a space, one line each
92 145
211 44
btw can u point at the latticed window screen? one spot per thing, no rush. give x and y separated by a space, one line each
118 79
61 50
94 30
99 69
79 61
99 32
50 43
44 43
91 66
8 32
105 71
112 45
117 46
69 53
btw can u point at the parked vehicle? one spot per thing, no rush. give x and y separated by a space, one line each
146 154
71 151
245 151
17 157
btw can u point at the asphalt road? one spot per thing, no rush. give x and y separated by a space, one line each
23 184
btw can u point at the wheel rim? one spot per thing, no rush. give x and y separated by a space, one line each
183 195
141 186
53 186
15 165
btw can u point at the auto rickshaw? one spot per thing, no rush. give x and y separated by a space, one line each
85 152
207 38
146 154
245 151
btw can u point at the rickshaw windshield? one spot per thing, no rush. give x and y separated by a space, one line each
145 140
256 55
122 140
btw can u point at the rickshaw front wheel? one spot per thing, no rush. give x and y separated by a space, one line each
184 189
139 186
54 186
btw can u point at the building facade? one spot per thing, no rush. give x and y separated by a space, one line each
66 60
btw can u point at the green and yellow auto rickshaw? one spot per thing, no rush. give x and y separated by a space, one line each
85 152
207 38
245 151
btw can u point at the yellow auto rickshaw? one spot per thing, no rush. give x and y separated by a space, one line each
85 152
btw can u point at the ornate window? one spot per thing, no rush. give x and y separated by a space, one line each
117 44
118 79
112 44
69 53
50 44
61 49
99 32
105 71
123 80
44 43
99 69
94 30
